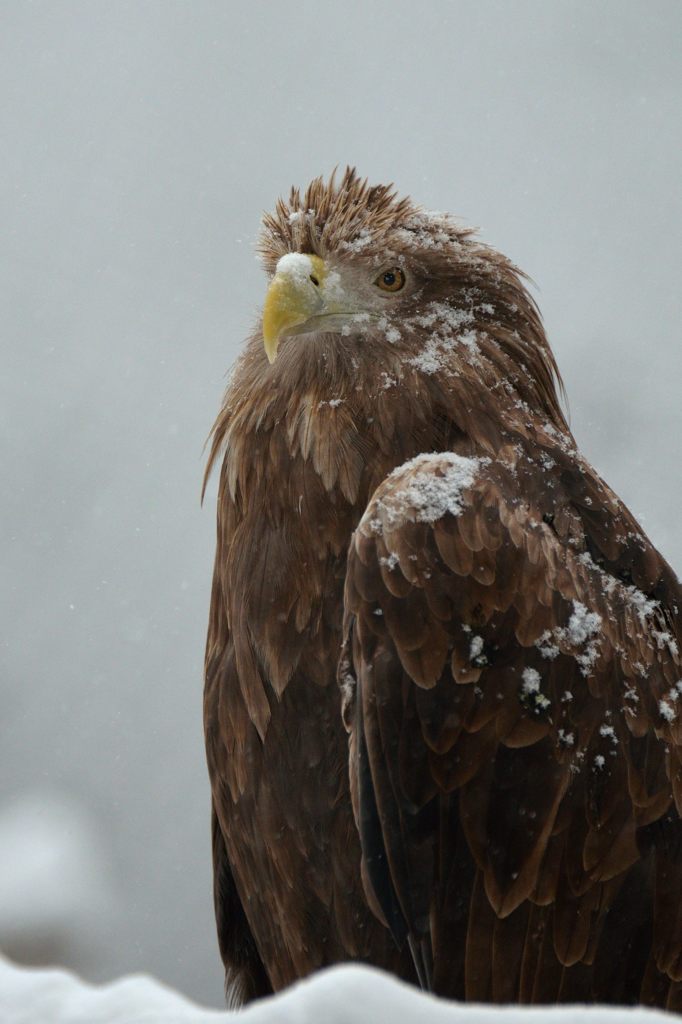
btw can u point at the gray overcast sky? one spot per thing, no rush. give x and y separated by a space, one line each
142 140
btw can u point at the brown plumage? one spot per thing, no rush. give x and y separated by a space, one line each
489 804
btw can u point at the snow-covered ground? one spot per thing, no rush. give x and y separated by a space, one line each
340 995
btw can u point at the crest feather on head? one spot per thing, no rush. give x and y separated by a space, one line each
353 216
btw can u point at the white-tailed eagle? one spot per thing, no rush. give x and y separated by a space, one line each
443 702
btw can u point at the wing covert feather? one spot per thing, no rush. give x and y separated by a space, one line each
503 667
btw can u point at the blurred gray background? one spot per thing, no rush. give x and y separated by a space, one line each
140 143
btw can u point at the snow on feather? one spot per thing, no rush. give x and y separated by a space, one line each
432 485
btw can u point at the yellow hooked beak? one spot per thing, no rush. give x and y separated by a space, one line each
296 295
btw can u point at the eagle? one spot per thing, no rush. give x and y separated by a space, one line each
443 691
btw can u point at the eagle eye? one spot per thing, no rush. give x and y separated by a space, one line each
391 280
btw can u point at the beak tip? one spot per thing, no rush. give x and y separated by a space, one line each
270 345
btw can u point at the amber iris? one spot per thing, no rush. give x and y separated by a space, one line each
391 280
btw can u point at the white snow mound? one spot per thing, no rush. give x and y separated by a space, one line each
346 994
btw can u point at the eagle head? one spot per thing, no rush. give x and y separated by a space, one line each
353 259
364 272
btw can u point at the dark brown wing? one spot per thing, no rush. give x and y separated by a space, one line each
515 713
288 893
245 977
245 974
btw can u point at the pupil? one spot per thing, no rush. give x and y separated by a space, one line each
389 277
